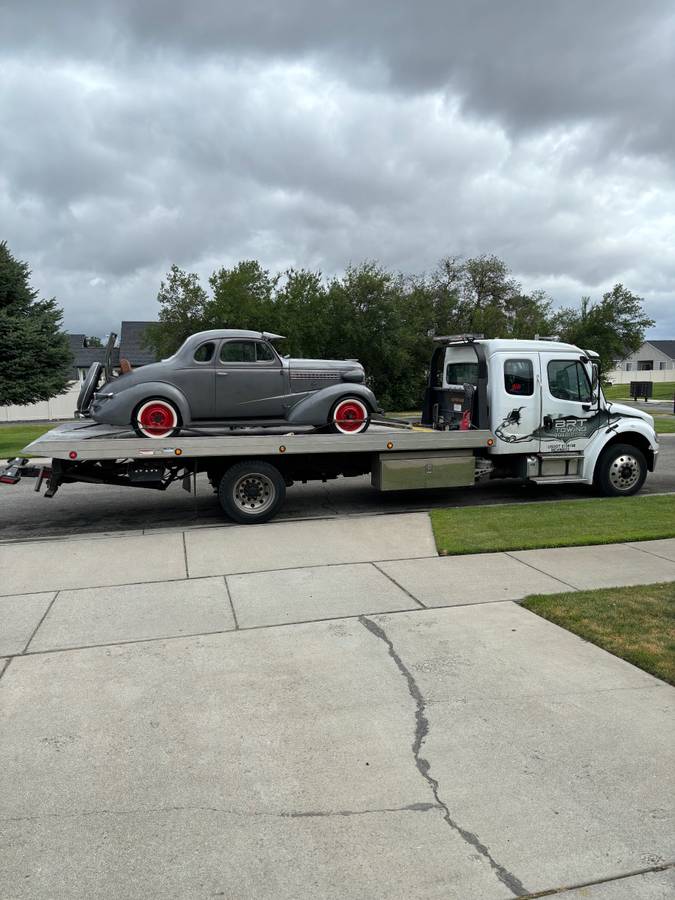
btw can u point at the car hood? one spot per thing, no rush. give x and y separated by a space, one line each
330 364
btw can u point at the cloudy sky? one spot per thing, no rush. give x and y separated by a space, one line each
321 132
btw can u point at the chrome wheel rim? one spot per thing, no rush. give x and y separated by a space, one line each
254 493
624 472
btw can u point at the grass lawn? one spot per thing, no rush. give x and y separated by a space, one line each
13 438
664 424
663 390
635 623
559 523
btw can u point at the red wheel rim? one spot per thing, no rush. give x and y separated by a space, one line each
157 419
350 416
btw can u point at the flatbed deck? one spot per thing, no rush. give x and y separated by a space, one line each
106 442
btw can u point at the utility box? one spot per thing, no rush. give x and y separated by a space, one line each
641 389
409 471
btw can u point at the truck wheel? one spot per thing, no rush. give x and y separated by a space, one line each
251 492
349 416
156 419
620 471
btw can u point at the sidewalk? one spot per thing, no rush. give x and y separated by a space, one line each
130 588
323 709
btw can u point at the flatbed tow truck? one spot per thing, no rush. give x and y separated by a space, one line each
528 410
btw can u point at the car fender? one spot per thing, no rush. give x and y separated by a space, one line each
315 408
118 409
624 431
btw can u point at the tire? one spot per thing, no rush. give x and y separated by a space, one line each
251 492
620 471
156 418
349 416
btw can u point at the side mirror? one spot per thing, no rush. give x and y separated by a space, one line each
595 384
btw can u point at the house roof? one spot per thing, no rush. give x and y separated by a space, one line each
667 347
84 356
130 347
132 344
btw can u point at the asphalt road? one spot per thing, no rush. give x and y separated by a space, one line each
79 508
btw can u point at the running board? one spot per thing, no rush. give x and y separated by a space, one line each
558 479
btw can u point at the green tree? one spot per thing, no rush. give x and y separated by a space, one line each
372 318
242 297
35 352
614 327
93 341
299 312
183 301
478 295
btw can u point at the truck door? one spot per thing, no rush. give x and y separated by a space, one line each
569 415
515 401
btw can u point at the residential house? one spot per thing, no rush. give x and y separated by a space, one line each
130 346
654 361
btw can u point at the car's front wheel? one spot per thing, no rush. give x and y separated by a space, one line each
156 419
349 416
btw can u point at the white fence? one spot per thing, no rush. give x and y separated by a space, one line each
620 376
61 407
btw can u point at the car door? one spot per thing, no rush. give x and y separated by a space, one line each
251 382
515 398
569 414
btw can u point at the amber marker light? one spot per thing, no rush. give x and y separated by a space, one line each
282 449
390 445
178 451
490 442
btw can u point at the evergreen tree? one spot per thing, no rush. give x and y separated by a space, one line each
35 353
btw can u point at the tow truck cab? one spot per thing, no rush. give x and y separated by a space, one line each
543 402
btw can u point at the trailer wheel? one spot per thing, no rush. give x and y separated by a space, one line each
252 491
620 471
349 416
156 418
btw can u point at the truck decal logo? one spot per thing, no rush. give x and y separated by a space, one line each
558 428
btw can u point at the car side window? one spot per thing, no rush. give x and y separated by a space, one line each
238 352
519 377
204 353
264 353
568 380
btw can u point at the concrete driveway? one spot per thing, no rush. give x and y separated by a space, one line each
196 736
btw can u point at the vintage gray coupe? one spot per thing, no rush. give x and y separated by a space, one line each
233 378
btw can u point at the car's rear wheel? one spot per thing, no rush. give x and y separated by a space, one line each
349 416
156 418
251 491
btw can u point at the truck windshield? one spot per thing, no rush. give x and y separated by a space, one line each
462 373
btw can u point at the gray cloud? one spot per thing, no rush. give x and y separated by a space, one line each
136 135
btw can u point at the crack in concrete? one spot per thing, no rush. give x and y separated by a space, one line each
282 814
424 766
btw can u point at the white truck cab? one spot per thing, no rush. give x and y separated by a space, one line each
543 402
